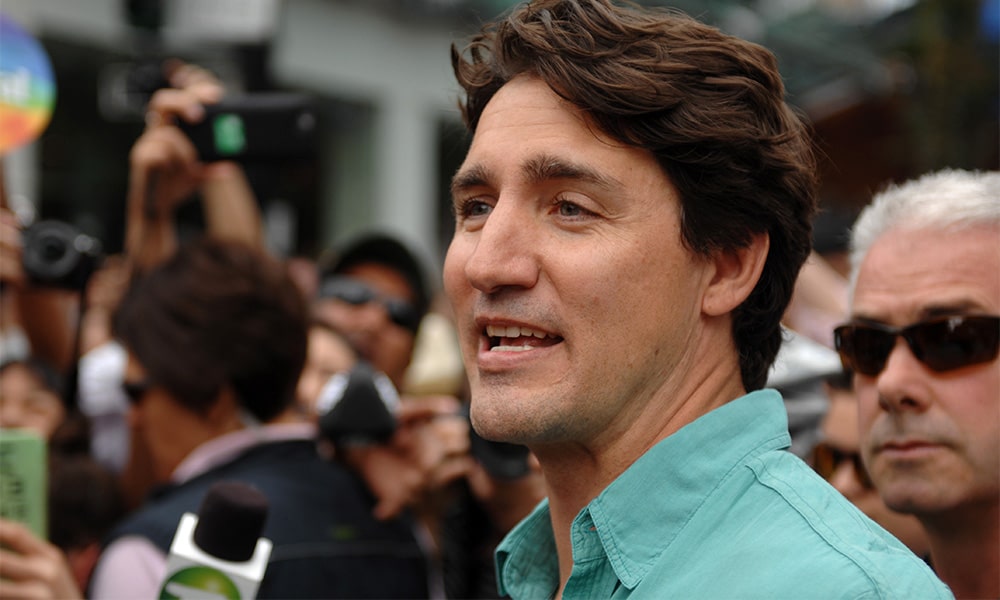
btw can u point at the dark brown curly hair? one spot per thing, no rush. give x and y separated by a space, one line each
218 314
710 108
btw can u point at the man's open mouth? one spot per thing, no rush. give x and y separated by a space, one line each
518 339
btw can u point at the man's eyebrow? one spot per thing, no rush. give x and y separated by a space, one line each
536 170
474 176
955 307
939 309
547 167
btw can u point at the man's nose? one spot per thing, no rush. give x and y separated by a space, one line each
900 380
506 253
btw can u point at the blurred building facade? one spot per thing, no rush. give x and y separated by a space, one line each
879 79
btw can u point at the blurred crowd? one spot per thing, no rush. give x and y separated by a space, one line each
254 344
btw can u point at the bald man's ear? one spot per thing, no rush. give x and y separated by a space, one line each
735 274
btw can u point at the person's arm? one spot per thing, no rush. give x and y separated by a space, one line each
14 344
30 567
33 320
228 201
819 301
166 172
230 207
104 291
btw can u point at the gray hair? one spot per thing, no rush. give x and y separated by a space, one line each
948 199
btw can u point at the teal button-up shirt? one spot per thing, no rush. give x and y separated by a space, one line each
718 510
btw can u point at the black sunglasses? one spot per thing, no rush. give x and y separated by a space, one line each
941 343
135 391
357 293
826 459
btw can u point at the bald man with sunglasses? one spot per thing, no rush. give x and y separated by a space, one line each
923 343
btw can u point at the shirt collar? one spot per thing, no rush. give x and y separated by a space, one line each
228 446
686 467
526 559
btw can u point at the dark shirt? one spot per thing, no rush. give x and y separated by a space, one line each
326 542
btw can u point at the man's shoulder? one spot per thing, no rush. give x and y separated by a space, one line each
785 532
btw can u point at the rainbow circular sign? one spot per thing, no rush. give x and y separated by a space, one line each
27 87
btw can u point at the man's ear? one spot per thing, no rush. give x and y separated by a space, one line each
735 275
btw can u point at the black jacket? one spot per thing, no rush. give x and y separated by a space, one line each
326 542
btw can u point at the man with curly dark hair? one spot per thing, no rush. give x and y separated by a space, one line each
216 338
631 217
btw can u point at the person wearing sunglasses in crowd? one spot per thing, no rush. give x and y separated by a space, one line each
923 341
375 292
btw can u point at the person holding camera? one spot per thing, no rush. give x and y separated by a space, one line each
37 319
165 174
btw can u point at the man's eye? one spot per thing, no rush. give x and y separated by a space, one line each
567 209
570 209
472 208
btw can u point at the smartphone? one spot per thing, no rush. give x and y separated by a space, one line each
24 479
258 127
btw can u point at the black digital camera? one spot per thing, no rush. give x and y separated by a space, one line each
57 254
260 127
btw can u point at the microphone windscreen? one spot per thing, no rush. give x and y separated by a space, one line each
359 405
230 520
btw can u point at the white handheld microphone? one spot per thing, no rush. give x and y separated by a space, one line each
218 554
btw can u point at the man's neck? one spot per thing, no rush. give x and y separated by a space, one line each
576 475
965 550
577 471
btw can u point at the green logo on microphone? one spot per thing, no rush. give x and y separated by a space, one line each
199 583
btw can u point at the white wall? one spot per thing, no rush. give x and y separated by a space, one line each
404 71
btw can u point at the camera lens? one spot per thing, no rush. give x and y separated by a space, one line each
51 249
57 254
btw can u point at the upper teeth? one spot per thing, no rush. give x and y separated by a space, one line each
513 332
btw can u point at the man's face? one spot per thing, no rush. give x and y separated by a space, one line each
575 301
931 440
388 346
152 418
